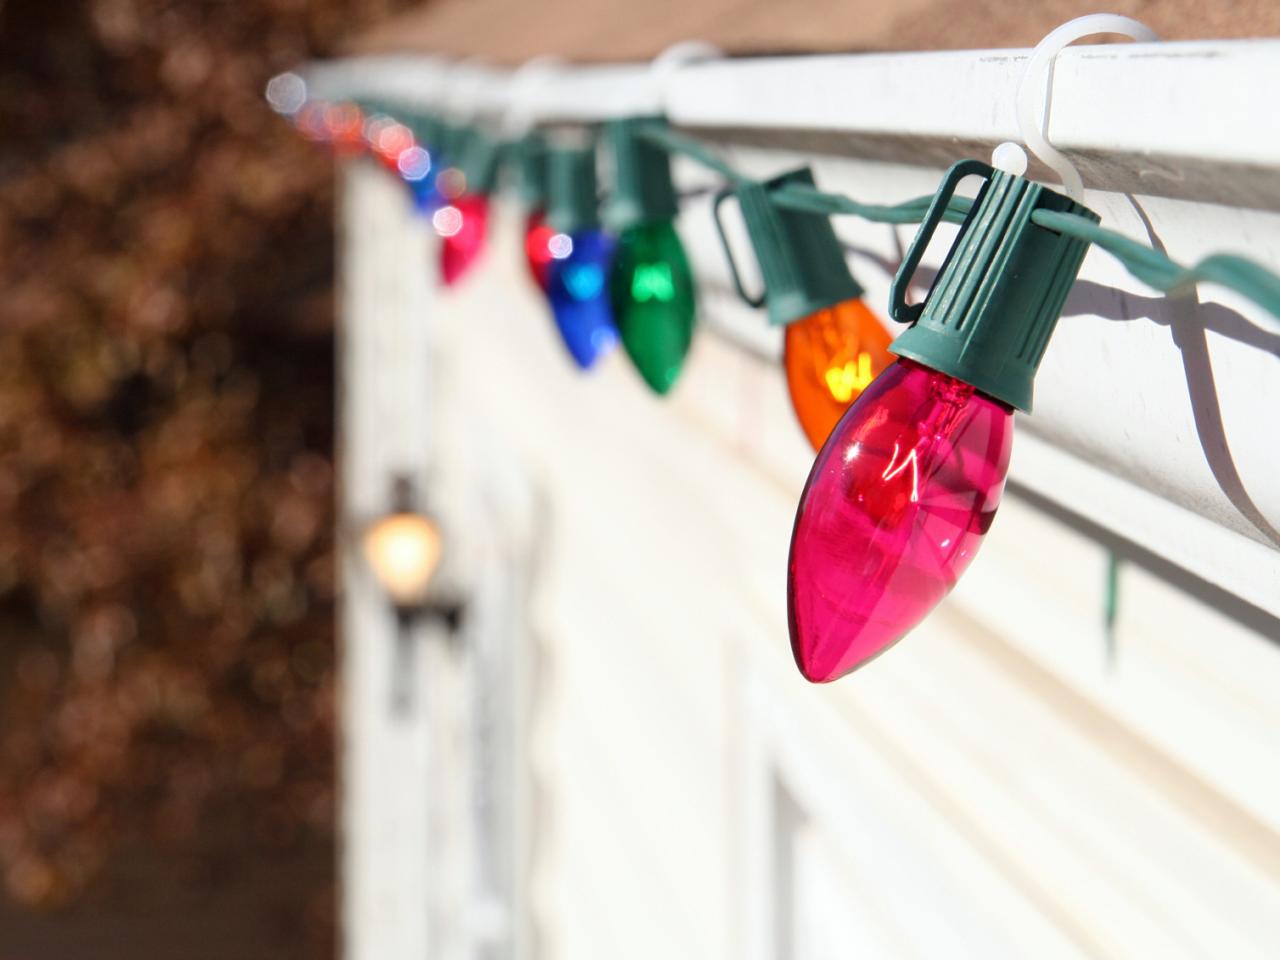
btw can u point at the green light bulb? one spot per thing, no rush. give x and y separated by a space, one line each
653 302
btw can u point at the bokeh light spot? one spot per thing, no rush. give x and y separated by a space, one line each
287 93
447 221
561 246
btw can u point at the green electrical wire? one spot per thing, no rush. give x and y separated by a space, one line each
1160 272
1147 264
800 197
674 142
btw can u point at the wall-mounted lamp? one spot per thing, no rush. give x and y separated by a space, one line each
403 549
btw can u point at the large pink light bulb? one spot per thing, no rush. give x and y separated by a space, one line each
895 507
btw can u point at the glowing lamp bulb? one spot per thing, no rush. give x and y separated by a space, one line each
537 247
464 228
578 293
895 507
651 289
404 551
830 357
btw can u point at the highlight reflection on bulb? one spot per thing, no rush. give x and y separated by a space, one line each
340 125
895 508
578 296
388 140
287 93
464 228
414 163
830 357
560 245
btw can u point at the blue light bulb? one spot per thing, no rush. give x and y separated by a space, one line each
426 196
579 295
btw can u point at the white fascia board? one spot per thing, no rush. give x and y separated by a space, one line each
594 93
420 81
1209 100
1204 547
559 95
1174 138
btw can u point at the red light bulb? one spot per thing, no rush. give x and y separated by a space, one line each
310 121
344 128
537 247
464 227
895 507
388 141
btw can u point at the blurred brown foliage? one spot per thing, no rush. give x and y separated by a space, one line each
166 436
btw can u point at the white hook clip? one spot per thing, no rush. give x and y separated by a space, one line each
465 86
665 64
1033 123
519 117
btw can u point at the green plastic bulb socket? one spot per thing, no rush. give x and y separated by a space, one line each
994 304
801 259
572 202
529 155
643 191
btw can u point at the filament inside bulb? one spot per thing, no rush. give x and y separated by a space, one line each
896 506
830 357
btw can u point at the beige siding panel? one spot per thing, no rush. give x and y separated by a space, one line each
989 788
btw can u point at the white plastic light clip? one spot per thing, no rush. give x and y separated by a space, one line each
664 65
1037 81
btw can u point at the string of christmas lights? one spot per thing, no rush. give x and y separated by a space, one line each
1153 267
913 434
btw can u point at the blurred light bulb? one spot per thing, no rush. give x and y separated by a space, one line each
287 93
560 245
451 182
447 221
414 164
374 124
830 357
464 226
310 121
389 142
578 295
651 289
537 247
344 127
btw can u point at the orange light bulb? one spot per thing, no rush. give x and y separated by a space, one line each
830 357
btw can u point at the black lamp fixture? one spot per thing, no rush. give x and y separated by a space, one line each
403 548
